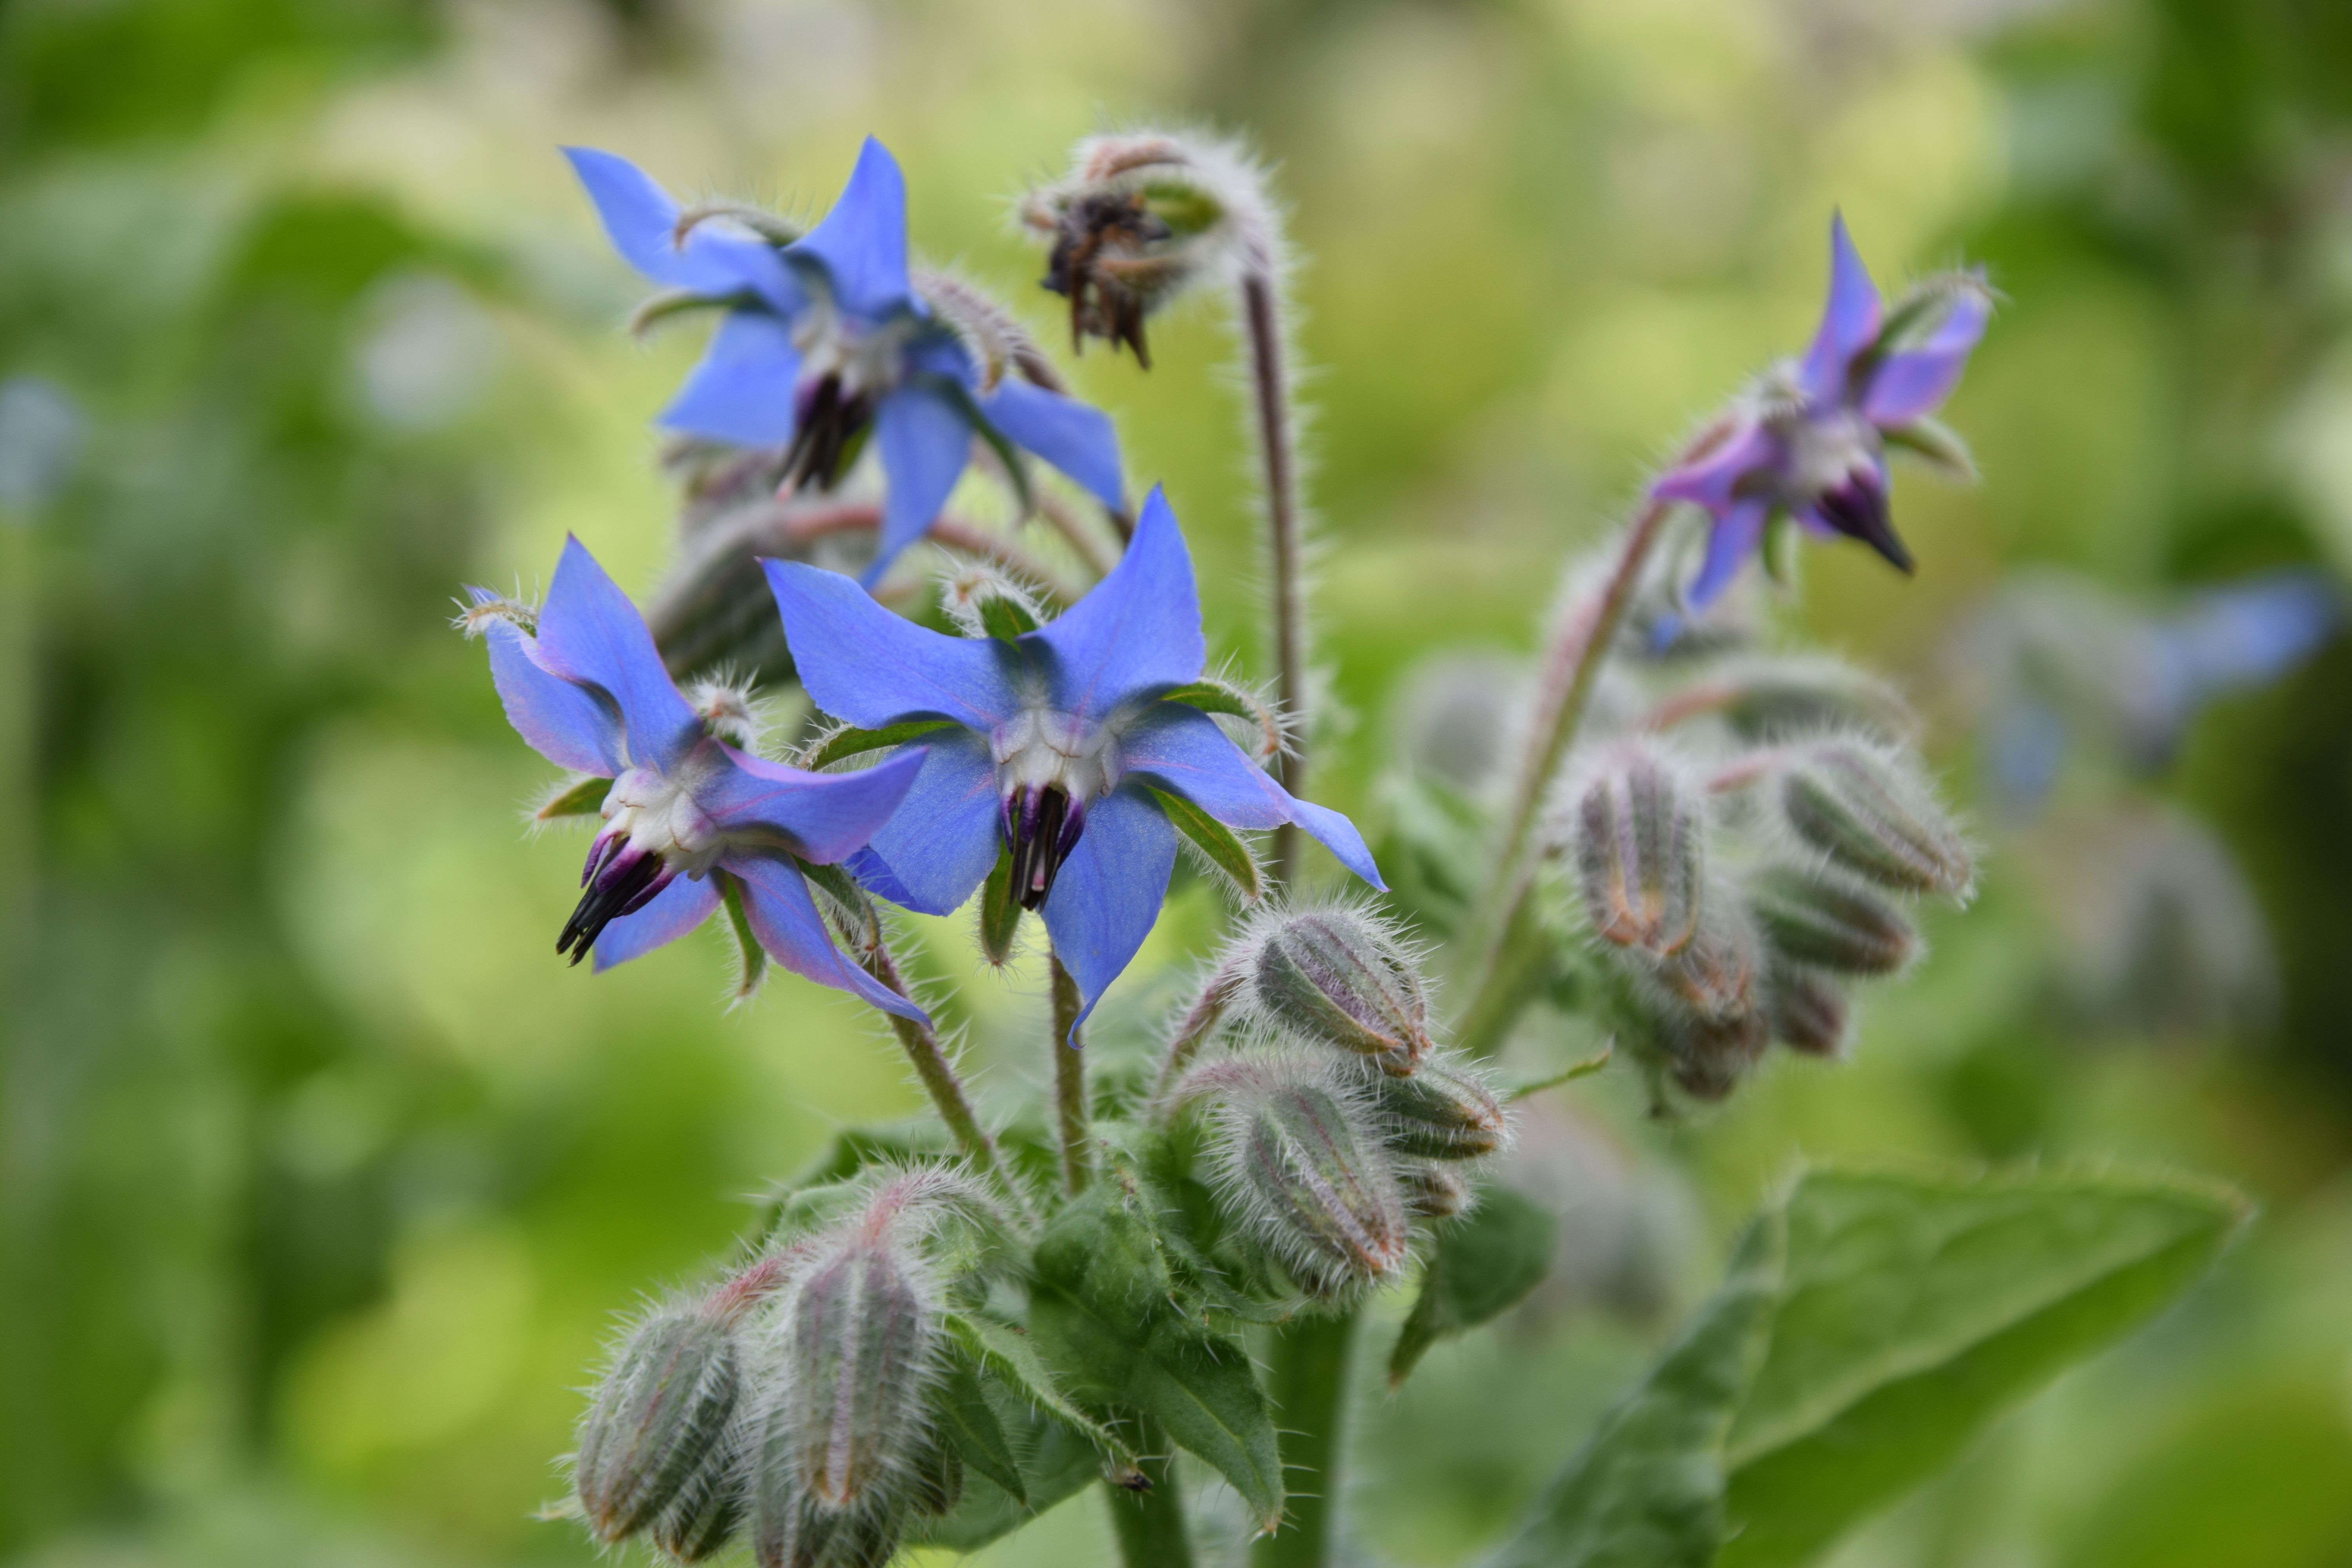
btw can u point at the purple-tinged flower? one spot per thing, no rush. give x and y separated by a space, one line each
1056 742
1809 443
825 341
689 818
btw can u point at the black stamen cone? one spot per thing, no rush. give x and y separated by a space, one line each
1041 829
611 894
828 424
1858 510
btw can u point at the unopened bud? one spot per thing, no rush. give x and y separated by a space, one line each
860 1333
1708 1058
1442 1112
1339 975
1807 1011
728 713
984 603
1861 808
1842 928
1302 1162
1639 841
1767 698
1714 978
660 1419
705 1514
1431 1192
789 1532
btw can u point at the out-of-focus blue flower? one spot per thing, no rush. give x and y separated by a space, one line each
1810 442
826 341
688 815
1059 740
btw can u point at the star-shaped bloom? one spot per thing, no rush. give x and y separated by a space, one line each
688 817
825 341
1811 442
1055 747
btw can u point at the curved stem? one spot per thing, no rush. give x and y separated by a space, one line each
1150 1525
1308 1379
1269 376
1069 1081
1199 1022
921 1042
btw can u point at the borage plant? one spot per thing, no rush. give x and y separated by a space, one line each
1702 843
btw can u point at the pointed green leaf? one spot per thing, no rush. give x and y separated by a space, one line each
1569 1074
1055 1464
1939 446
971 1423
1005 618
1000 912
1225 851
585 798
1646 1490
858 919
1007 1354
1482 1265
752 959
851 742
1915 1307
1213 696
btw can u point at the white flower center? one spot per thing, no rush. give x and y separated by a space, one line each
657 814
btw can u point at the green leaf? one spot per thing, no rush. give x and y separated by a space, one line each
1005 618
969 1422
1915 1307
1211 695
851 742
1646 1490
585 798
1938 444
1569 1074
1104 1319
858 921
1007 1354
1482 1265
752 959
1000 912
1055 1464
1225 851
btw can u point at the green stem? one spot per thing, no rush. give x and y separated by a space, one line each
1150 1525
1269 379
1070 1082
1571 668
1308 1379
921 1042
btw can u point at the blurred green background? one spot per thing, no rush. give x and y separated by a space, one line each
321 1176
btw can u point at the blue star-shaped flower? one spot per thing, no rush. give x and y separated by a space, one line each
825 341
1811 445
688 815
1057 741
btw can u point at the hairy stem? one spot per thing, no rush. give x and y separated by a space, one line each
1070 1082
1308 1379
1150 1525
921 1042
1570 669
1270 390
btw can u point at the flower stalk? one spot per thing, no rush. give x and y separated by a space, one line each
921 1042
1308 1380
1070 1081
1270 390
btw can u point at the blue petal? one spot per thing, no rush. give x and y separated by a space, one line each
863 664
571 726
1182 749
942 841
924 442
677 909
1710 478
783 917
1109 890
2251 632
590 632
823 817
1737 535
874 874
1909 384
742 390
1140 630
1850 321
1075 439
641 220
862 243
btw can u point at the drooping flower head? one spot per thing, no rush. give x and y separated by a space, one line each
1810 441
689 818
1055 747
826 342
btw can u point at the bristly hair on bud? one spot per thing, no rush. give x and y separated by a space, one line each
1141 216
728 710
1338 975
1868 807
488 606
1433 1191
1825 922
1636 831
1301 1166
983 601
1808 1011
1446 1111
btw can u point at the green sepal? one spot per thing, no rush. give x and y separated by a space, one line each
1224 849
1000 912
1484 1264
1006 1353
585 798
853 742
1213 696
1938 445
752 959
968 1420
1185 209
669 302
861 923
1005 618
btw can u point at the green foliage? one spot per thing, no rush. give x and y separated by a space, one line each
1873 1324
1480 1266
1214 839
843 743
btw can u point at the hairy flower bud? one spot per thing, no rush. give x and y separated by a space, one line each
984 603
1639 839
1829 925
1431 1192
1713 979
1339 975
1444 1111
1807 1011
1862 808
859 1334
1706 1059
1301 1162
660 1420
1765 697
705 1514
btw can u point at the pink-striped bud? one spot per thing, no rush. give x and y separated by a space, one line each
1339 975
1444 1111
1637 832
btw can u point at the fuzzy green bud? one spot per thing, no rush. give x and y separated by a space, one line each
705 1514
1714 978
1444 1111
1807 1011
1706 1059
1862 808
1431 1191
860 1336
1829 925
1638 837
1340 976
